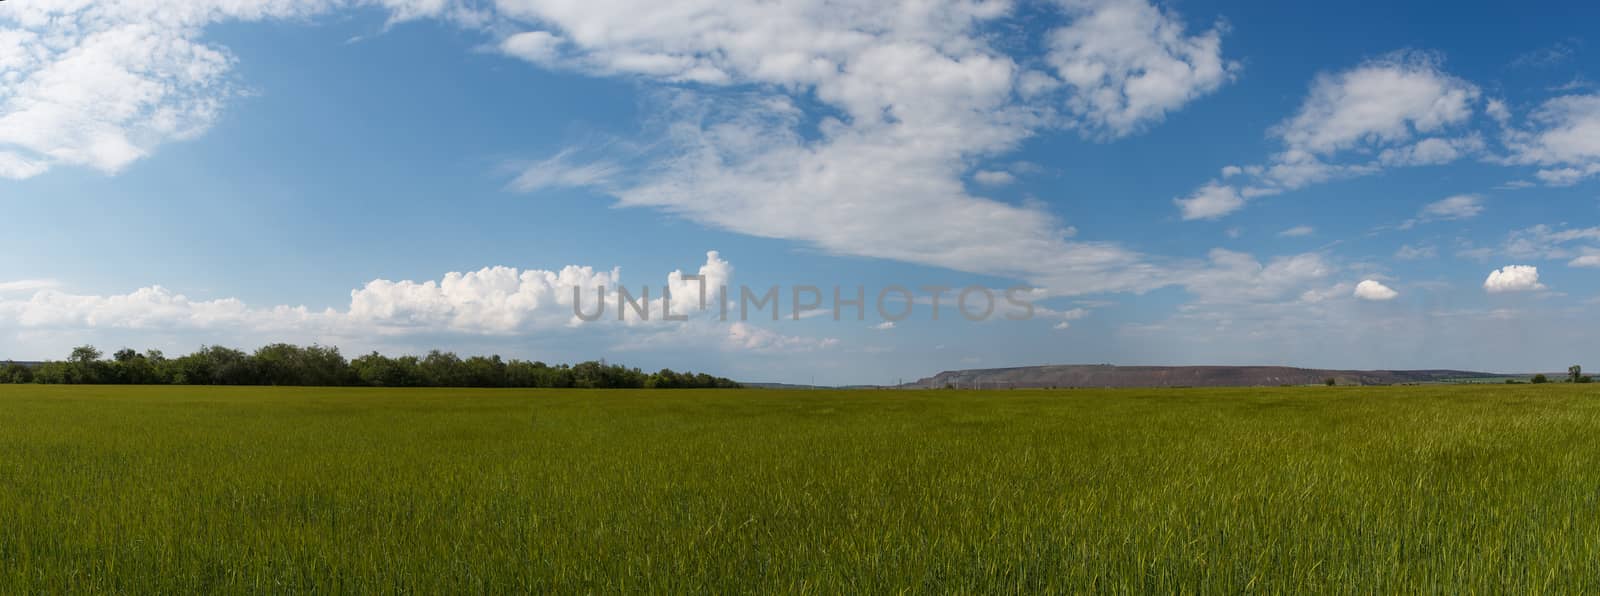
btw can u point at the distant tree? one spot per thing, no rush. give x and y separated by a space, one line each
378 370
12 372
442 369
52 373
521 373
1539 378
287 364
130 367
485 372
1330 381
84 366
216 365
1574 373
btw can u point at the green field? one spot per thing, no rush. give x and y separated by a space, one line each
1445 489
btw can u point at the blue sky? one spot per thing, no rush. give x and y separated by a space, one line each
1355 185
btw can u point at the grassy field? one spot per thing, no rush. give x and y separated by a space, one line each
1446 489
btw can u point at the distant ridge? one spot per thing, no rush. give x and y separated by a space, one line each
1106 375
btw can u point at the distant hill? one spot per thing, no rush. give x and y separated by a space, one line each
1106 375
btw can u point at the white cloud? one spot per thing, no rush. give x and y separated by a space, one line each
1385 101
1130 63
1513 278
916 93
1585 261
538 47
1316 295
1549 55
560 171
1374 290
28 285
1413 253
1431 151
108 98
496 300
1545 242
1211 201
1563 140
1298 231
1380 108
994 177
884 326
1566 176
1235 277
743 336
104 84
1063 318
921 95
489 302
1456 207
150 308
1496 108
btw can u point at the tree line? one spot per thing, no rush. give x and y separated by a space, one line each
286 364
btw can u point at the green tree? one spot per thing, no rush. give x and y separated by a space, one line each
1574 373
484 372
84 366
442 369
12 372
1539 378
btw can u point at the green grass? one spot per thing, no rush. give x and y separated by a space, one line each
1444 489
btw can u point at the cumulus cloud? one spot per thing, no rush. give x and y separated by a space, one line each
1402 108
1513 278
497 300
1130 63
489 302
1374 290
